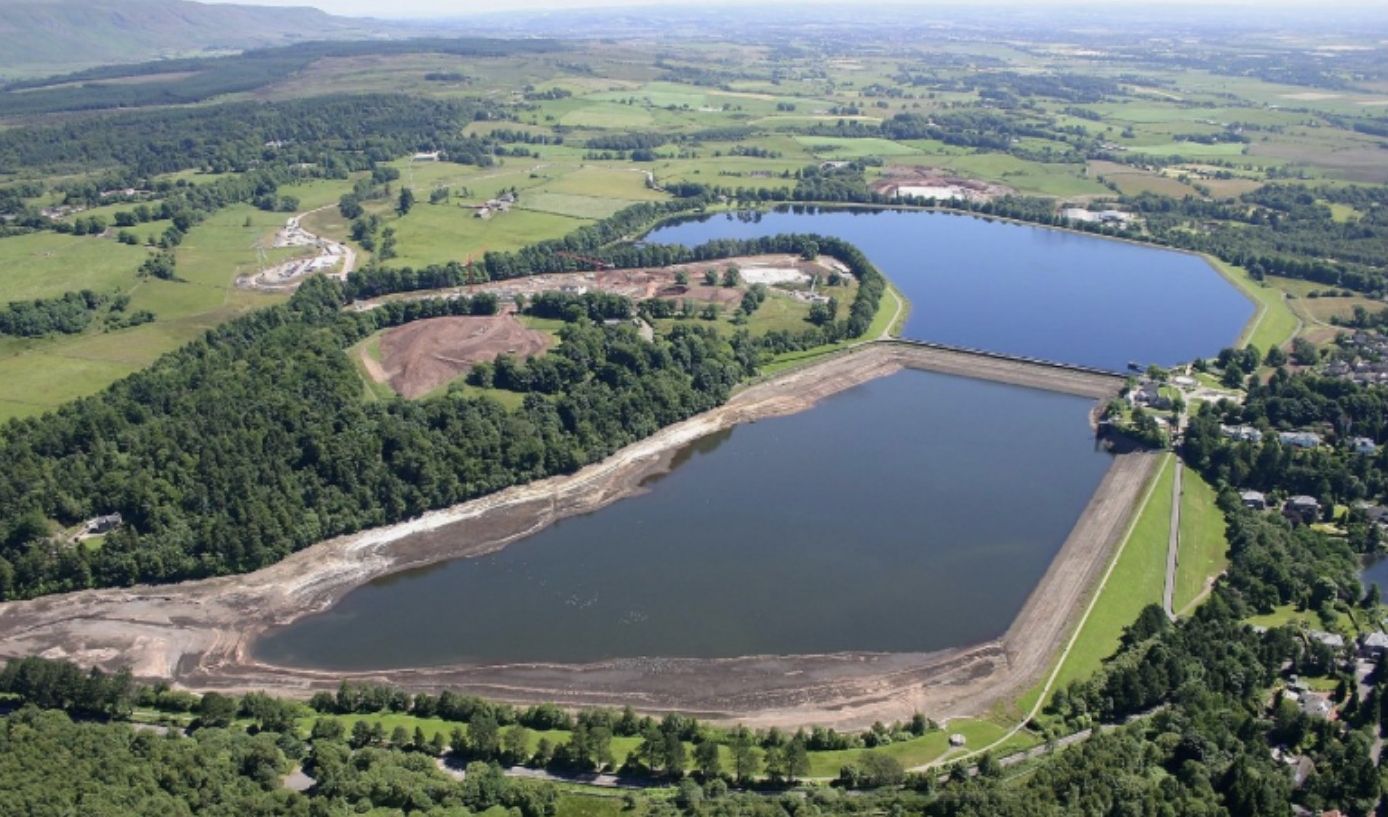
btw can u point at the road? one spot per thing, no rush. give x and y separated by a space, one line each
1173 545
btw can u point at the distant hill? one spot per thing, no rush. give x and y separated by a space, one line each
41 37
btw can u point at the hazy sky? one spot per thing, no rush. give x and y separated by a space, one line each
458 8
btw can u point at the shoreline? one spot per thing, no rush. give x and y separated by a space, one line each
201 634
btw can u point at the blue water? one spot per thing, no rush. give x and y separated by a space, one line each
1023 290
915 512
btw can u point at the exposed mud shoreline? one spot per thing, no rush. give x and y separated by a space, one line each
199 633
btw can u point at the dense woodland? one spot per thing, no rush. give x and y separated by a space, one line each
257 410
333 133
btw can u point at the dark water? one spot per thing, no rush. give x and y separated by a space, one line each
1376 573
912 513
1023 290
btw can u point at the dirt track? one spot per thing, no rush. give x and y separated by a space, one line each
199 633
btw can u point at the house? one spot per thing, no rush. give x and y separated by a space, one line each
1363 446
1096 216
1377 514
1299 439
1302 509
1334 641
1374 645
1254 500
431 156
103 524
1315 705
1241 433
1149 394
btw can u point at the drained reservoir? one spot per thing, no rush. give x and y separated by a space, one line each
911 513
1019 289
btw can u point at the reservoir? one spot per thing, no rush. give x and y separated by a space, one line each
1020 289
911 513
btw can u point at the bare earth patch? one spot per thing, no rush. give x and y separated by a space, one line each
641 284
200 634
935 183
421 356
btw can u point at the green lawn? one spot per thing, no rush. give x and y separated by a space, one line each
1138 579
439 234
47 264
1204 548
930 747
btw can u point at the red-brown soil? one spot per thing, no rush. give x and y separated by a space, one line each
421 356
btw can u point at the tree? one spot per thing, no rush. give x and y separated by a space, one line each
361 734
682 278
673 754
809 251
1275 357
1304 352
652 747
405 202
732 276
710 277
514 742
216 710
438 195
745 761
326 729
797 758
880 769
706 759
483 737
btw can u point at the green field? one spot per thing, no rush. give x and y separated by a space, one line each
1204 549
46 265
44 373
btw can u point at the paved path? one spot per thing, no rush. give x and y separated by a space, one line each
1173 546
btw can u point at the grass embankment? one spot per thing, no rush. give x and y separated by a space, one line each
1204 549
1138 579
1273 322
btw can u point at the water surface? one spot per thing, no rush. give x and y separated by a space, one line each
915 512
1020 289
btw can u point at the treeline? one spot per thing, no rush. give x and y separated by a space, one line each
335 134
256 408
1281 230
61 685
200 78
67 314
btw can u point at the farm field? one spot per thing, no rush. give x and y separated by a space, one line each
45 265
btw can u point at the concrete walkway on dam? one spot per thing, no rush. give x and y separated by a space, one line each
1038 374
